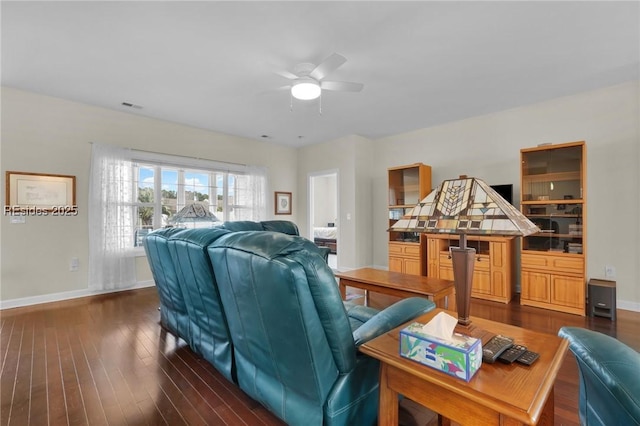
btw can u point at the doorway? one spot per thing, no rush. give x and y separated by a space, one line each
324 228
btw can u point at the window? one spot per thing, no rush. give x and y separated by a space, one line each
226 194
132 192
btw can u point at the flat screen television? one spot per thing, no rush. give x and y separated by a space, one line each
505 191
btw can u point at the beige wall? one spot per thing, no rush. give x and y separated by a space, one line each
51 135
45 134
352 157
489 146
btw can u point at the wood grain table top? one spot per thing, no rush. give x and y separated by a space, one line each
418 284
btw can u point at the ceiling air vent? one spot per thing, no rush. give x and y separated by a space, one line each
130 105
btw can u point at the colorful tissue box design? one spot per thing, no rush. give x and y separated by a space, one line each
461 357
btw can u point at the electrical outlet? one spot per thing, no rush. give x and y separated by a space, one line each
74 264
609 271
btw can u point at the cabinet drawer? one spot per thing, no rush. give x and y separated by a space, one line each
481 263
404 250
568 264
573 265
445 260
529 261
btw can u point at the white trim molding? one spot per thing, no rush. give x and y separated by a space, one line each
65 295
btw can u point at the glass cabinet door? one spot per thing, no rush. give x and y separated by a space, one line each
560 228
554 174
552 198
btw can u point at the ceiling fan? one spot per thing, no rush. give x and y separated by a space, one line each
307 80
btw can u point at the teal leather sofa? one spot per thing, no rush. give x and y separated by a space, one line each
284 226
173 309
209 333
609 378
295 342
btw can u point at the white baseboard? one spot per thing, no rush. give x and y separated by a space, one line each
68 295
628 306
65 295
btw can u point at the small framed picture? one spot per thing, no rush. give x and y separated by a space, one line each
283 202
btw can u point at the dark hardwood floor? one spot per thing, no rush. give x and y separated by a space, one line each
106 361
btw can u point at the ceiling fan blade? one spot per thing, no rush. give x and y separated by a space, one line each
274 90
287 75
327 66
342 86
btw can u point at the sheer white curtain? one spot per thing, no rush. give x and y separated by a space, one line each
252 189
111 218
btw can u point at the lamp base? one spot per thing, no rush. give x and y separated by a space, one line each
474 331
465 329
462 259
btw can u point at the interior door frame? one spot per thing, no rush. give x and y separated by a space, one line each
311 201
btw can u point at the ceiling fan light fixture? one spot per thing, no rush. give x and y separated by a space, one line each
305 89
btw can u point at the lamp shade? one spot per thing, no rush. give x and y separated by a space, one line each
194 212
465 206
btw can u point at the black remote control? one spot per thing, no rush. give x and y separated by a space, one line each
511 354
528 358
494 347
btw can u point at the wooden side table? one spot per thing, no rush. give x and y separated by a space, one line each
498 394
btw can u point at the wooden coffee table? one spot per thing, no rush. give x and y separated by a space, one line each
442 292
498 394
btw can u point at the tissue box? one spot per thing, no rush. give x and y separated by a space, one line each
461 357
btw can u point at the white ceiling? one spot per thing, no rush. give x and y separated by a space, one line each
212 64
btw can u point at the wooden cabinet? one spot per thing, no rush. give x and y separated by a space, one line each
406 258
553 196
407 186
493 276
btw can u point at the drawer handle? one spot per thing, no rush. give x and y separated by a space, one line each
478 259
449 256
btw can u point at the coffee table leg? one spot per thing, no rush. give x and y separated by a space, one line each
388 407
343 289
366 298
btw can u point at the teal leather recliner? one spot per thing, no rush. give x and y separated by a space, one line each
609 378
285 226
295 342
209 331
173 310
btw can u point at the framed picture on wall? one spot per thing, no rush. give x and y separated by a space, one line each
42 192
283 202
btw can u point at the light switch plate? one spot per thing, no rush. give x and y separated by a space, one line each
18 219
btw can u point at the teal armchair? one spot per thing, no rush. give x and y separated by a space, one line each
609 378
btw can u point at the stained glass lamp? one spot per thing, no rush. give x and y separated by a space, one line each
195 212
465 206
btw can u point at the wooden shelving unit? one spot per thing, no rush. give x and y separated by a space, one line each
553 195
407 186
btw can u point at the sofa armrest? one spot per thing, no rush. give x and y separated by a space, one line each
324 252
609 375
395 315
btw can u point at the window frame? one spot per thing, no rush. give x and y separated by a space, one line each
185 165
